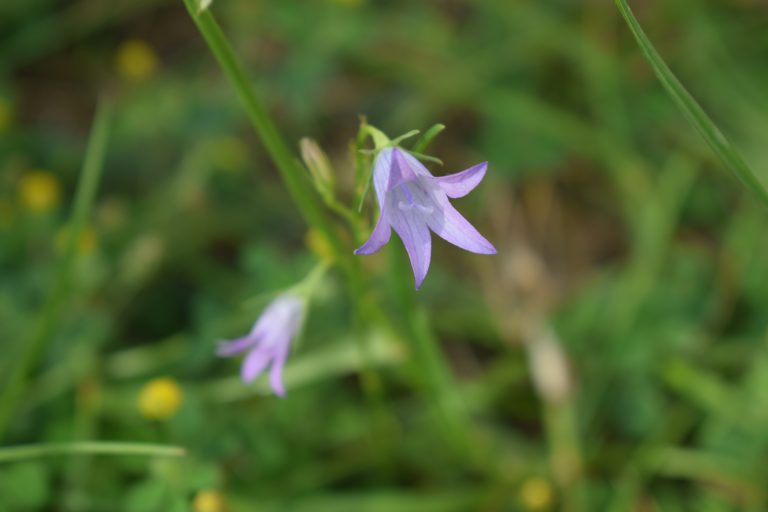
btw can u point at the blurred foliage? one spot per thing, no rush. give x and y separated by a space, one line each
613 355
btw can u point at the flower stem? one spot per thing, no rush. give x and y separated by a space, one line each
52 310
291 171
24 452
430 364
298 184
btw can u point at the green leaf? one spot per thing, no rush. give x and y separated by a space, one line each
426 158
692 110
427 138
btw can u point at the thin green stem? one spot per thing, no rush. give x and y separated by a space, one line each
692 110
52 310
291 171
437 376
296 180
34 451
431 368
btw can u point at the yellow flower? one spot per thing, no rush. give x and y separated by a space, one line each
209 501
536 494
5 115
160 399
85 245
136 60
39 191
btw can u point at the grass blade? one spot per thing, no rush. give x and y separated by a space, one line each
32 451
49 319
692 110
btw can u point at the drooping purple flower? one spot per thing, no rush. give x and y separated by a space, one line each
413 203
269 341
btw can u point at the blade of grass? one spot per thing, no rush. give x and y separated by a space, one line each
52 310
33 451
692 110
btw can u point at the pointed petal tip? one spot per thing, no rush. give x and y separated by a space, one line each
379 237
490 250
276 375
231 348
462 183
485 249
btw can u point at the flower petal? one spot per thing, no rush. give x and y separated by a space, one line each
276 374
462 183
392 168
381 174
379 237
229 348
452 227
254 364
414 233
416 167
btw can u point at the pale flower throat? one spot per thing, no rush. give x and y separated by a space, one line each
411 201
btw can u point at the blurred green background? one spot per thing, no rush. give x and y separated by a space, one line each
612 356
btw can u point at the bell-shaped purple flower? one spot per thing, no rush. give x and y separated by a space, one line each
413 203
269 341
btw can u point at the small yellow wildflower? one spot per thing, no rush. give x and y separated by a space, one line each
160 399
39 191
209 501
85 244
136 60
536 494
5 115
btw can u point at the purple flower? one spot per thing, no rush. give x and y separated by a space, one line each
413 202
269 341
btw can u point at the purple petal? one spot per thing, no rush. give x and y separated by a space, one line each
379 237
415 165
254 364
381 174
452 227
276 374
405 168
414 233
462 183
231 348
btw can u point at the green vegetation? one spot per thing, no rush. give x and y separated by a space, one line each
155 196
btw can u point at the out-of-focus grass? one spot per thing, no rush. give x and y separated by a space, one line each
612 356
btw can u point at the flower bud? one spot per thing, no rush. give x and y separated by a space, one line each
319 166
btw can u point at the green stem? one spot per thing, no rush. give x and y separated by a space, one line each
431 368
565 452
33 451
291 171
51 314
295 178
